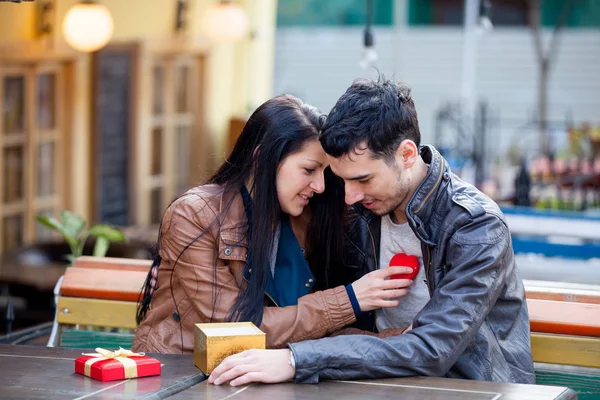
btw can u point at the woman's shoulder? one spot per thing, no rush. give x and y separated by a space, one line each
195 206
209 194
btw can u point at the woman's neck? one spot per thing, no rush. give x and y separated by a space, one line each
300 226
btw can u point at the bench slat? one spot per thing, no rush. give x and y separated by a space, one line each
127 264
563 317
77 339
566 350
99 283
117 314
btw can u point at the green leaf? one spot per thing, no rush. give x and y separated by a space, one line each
108 232
73 223
53 223
101 246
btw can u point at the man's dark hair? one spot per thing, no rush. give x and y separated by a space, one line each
380 113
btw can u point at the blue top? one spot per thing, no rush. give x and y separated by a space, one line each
293 277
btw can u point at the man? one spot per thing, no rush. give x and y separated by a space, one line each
468 311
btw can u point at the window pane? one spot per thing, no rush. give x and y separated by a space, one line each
156 167
45 101
156 206
183 158
12 232
157 89
42 232
45 184
13 173
182 85
14 104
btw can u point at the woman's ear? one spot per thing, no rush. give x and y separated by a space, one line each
255 151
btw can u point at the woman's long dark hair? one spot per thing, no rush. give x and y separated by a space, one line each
278 128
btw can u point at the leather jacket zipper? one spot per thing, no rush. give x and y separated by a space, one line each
428 281
374 248
374 329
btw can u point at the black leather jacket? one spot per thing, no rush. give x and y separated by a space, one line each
476 324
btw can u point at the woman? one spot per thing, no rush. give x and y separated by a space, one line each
239 247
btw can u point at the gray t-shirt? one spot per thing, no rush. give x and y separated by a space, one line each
399 238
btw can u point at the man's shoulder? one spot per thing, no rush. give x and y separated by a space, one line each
478 217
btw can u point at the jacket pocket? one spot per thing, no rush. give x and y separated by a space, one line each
233 246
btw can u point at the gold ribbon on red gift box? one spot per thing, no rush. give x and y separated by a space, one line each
122 355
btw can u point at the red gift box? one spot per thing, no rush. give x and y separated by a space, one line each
122 364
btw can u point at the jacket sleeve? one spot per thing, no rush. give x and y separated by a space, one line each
383 334
477 254
212 289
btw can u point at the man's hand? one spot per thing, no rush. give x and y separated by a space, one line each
374 290
266 366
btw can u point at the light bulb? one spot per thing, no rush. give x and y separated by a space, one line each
368 58
225 23
485 25
88 26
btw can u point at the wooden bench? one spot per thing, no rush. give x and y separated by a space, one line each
565 335
100 293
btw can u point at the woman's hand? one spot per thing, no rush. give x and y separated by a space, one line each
266 366
154 279
374 290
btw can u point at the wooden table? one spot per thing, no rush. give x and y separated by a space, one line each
31 372
419 388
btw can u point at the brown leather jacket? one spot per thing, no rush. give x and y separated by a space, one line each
317 314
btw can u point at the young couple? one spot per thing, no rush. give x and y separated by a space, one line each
269 239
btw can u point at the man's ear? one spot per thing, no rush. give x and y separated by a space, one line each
407 153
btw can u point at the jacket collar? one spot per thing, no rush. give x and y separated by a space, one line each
421 206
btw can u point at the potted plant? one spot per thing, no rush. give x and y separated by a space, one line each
73 229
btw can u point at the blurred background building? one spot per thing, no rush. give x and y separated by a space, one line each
491 65
114 135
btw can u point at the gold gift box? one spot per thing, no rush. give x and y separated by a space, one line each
215 342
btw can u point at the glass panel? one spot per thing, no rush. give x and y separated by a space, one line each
13 173
14 104
156 206
156 167
157 89
12 232
181 88
42 232
183 158
45 184
45 101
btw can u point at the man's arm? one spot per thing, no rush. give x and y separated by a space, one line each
477 255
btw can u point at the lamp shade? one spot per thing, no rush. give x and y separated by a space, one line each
225 22
88 26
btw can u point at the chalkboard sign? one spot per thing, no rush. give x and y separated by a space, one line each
113 92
